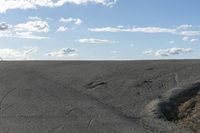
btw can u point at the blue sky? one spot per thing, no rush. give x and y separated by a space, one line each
99 29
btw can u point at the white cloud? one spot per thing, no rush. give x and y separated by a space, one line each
76 21
190 33
62 29
33 26
184 26
172 51
3 26
185 38
34 18
24 30
9 53
34 4
13 54
28 35
168 52
95 41
134 29
194 40
63 52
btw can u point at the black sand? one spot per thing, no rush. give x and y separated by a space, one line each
100 97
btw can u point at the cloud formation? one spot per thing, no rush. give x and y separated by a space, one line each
190 33
8 53
62 29
95 41
194 40
24 30
168 52
63 52
182 30
75 21
184 26
34 4
134 29
33 26
3 26
34 18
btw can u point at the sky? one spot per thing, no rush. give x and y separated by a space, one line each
99 29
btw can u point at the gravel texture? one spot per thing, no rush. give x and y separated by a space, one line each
100 96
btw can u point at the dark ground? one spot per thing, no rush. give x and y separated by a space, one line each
99 97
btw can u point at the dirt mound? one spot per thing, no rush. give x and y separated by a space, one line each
189 114
179 105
